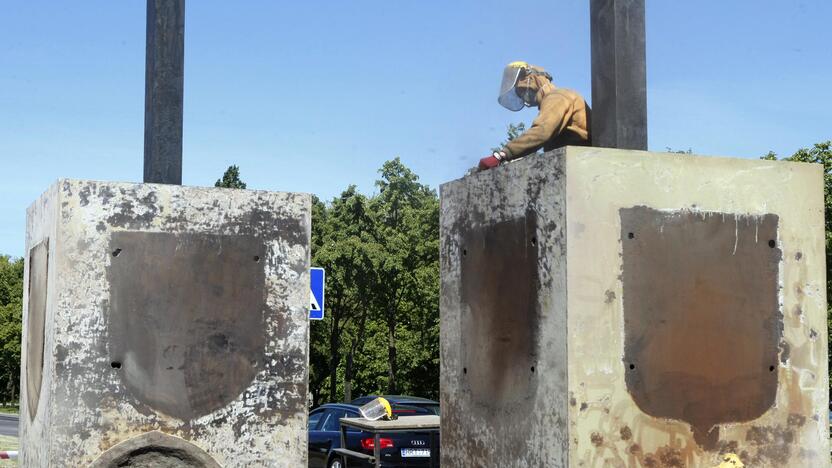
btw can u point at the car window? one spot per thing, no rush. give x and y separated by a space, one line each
331 422
314 419
432 408
352 414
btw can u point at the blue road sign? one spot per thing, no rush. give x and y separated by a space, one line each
317 277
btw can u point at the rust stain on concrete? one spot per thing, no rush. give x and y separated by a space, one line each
702 323
207 292
38 275
202 291
500 286
588 248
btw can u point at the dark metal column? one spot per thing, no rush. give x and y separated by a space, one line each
164 76
619 77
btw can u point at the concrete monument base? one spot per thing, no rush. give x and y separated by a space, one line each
622 308
165 326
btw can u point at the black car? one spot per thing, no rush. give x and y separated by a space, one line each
404 404
408 449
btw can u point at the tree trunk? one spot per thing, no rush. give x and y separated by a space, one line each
391 352
348 379
354 347
334 357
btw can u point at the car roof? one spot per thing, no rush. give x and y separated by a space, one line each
398 399
345 406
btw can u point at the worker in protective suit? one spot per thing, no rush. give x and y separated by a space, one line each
563 118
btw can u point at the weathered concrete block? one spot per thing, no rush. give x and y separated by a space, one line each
622 308
166 317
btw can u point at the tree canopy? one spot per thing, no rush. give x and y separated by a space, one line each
381 253
11 309
231 179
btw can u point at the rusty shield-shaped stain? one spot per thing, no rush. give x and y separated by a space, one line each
155 450
186 322
500 325
702 322
35 323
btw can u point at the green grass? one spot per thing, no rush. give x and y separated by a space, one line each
10 409
8 443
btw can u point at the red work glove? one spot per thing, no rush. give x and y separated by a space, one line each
492 161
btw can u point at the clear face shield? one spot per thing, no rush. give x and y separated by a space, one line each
508 89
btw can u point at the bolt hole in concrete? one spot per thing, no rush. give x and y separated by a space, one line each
256 258
632 366
532 369
772 244
631 236
115 365
534 240
771 368
464 252
464 370
116 252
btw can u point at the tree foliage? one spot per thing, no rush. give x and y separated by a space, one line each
512 131
231 179
11 310
381 254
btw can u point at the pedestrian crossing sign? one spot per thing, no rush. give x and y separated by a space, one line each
316 293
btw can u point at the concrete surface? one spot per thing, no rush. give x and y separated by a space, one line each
169 309
674 312
503 329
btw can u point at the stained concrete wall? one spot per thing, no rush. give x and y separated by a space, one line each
503 317
695 310
176 317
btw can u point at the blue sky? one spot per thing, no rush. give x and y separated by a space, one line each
313 96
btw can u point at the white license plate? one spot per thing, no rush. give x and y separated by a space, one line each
410 452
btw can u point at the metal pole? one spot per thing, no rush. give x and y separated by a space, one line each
164 76
619 75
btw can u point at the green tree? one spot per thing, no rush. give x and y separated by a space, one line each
381 254
512 131
343 245
11 309
231 179
407 230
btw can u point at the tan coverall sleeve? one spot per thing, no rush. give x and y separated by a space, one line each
550 121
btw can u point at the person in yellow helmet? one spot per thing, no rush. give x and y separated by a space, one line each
563 117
